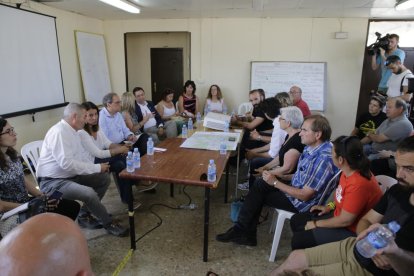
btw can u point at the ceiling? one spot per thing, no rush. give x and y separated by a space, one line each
236 8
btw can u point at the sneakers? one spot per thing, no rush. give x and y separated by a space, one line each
237 236
243 186
116 230
89 222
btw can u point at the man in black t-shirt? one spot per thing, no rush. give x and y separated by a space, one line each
397 258
370 121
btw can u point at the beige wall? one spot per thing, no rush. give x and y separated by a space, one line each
222 49
139 59
221 52
66 24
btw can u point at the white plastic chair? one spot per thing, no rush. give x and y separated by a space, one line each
385 182
282 215
31 153
244 108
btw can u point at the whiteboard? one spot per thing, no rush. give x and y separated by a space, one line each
278 76
93 66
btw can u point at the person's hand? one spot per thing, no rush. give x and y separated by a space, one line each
105 167
261 170
269 178
366 231
122 149
320 210
51 204
160 131
250 154
132 138
310 225
381 261
385 153
382 52
254 135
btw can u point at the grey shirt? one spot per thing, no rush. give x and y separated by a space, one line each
396 130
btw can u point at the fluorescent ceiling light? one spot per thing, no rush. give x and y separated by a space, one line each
404 5
123 5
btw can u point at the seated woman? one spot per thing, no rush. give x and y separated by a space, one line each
188 103
285 162
15 188
357 192
99 149
167 111
215 101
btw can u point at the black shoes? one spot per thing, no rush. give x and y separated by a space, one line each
89 222
238 236
116 230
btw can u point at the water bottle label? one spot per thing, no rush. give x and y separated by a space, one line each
376 241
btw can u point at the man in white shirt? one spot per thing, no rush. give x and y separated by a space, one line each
62 166
149 118
398 81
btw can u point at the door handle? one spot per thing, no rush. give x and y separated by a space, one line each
155 87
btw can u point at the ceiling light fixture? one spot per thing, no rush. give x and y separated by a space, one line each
123 5
404 5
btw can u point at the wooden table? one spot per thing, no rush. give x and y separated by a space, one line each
179 166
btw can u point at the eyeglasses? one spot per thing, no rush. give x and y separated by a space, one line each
10 131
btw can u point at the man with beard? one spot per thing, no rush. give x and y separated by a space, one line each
397 258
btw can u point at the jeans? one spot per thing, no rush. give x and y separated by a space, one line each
89 189
261 194
116 165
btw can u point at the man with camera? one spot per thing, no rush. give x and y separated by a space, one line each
384 47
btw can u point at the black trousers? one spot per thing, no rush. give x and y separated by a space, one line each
309 238
261 194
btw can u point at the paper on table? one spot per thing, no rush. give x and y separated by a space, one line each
160 149
16 210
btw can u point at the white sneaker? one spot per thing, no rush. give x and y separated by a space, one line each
243 186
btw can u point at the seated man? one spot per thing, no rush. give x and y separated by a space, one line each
150 120
296 94
393 130
47 244
113 125
371 120
315 169
62 166
342 258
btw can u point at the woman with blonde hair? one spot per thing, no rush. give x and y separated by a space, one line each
128 112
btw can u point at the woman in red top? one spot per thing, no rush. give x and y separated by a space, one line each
357 192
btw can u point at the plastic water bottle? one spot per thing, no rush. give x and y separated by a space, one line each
150 146
233 112
184 132
379 238
198 117
224 109
129 163
136 157
226 126
211 171
190 125
206 110
223 147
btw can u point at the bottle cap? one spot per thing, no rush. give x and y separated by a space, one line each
129 153
211 161
394 226
135 149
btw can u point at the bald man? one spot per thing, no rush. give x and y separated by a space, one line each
47 244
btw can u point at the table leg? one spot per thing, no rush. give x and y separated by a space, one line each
131 218
171 190
226 184
206 222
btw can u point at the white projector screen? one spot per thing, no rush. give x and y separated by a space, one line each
30 74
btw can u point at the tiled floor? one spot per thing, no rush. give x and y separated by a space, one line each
175 247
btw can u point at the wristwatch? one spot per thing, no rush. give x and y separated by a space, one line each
275 183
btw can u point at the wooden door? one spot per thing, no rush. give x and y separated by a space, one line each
166 72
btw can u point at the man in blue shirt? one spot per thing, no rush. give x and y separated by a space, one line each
113 125
315 169
379 61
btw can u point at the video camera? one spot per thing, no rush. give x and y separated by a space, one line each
381 42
